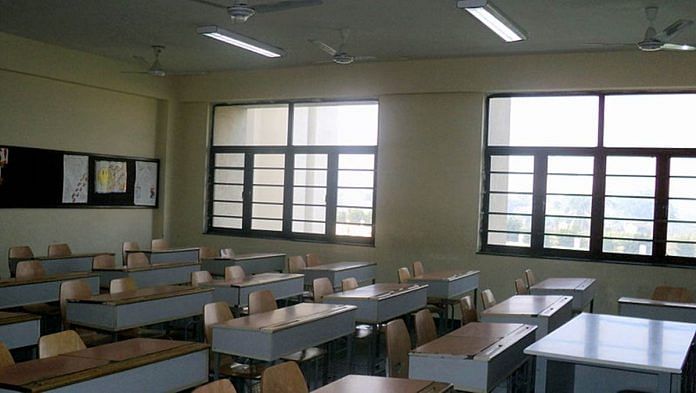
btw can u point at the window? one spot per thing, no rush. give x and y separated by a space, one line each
591 176
294 170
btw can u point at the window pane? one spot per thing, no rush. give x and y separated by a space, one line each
269 161
682 249
268 194
509 239
627 247
356 161
308 227
230 160
628 229
310 178
632 120
227 193
267 225
250 125
269 176
353 230
311 213
682 167
510 203
229 176
682 210
630 186
501 222
311 161
266 211
560 205
227 209
562 184
333 124
354 197
512 164
681 231
567 242
543 121
682 188
567 226
356 179
354 216
512 182
616 207
644 166
310 196
225 222
571 164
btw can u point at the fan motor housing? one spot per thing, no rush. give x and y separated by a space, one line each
240 13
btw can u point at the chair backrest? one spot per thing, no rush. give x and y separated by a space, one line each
234 273
59 343
283 378
466 307
403 274
213 313
128 246
73 289
425 327
118 285
5 356
200 277
349 283
137 259
227 253
321 287
27 270
521 287
417 268
487 298
261 301
159 244
296 264
219 386
398 346
20 252
208 252
59 250
312 260
103 261
529 276
673 294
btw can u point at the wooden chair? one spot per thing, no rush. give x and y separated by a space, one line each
425 327
124 284
59 343
417 268
104 261
321 287
207 252
521 287
234 273
487 298
403 274
261 301
227 253
5 356
466 307
312 260
283 378
17 254
79 289
296 264
27 270
219 386
673 294
137 259
349 283
529 276
200 277
59 250
398 346
159 244
128 246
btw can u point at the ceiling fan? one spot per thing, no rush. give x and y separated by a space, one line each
240 11
156 69
340 56
654 41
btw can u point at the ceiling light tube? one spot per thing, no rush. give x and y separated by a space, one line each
494 19
240 41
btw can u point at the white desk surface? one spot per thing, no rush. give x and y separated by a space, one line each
528 305
565 283
657 303
620 342
338 266
285 317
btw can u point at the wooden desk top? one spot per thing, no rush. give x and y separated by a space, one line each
129 349
286 317
565 283
528 305
9 282
71 256
472 339
7 318
30 375
157 266
244 257
444 275
377 291
339 266
256 279
171 250
486 329
365 384
657 303
143 295
619 342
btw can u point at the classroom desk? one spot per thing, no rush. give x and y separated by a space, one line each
581 289
657 309
137 365
175 255
380 303
59 265
608 353
19 330
141 307
150 276
476 357
448 287
365 384
273 334
362 271
236 293
15 293
251 263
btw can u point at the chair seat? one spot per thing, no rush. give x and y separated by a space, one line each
305 355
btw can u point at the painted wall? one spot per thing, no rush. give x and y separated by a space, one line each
429 165
56 98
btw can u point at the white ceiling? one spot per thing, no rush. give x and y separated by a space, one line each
387 29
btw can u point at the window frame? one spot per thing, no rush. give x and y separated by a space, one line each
289 151
600 153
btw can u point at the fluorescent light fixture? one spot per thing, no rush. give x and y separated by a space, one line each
494 19
241 41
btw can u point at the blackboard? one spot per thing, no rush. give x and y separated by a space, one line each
41 178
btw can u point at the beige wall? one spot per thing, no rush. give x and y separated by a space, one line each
431 121
61 99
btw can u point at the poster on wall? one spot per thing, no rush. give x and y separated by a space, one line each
75 173
110 177
145 193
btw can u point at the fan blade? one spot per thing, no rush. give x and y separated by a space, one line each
363 58
324 47
284 5
673 29
211 3
608 43
187 73
135 72
677 47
